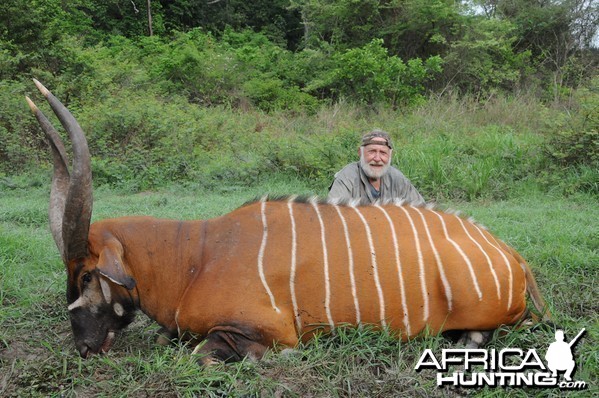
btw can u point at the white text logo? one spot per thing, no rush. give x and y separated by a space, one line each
512 367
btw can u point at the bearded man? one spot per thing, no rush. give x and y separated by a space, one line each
372 178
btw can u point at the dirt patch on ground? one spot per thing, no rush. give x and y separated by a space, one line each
24 357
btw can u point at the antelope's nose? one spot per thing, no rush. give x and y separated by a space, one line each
84 351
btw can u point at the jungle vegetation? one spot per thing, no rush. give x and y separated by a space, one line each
479 93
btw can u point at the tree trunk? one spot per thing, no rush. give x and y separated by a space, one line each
150 32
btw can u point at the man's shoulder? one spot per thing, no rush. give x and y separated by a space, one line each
348 171
394 172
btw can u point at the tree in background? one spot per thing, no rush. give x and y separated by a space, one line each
127 18
152 103
274 18
484 45
557 33
408 28
484 61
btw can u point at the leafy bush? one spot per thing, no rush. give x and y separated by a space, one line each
270 94
236 109
368 74
484 60
579 130
575 138
10 58
241 68
194 65
20 139
573 146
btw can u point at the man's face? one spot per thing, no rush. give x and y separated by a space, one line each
375 159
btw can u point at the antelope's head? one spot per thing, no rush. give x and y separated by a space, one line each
99 291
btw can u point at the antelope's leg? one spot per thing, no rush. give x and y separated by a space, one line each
165 336
229 344
475 338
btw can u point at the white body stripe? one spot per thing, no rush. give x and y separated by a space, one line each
375 268
350 262
489 262
420 264
440 268
464 256
261 255
507 264
402 289
325 258
296 314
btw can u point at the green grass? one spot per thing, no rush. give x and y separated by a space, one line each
449 147
558 236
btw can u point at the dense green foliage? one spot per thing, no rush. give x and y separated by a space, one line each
236 91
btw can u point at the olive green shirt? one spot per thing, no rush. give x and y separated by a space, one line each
351 183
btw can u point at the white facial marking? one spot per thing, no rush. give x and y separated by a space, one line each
77 303
106 290
90 299
118 309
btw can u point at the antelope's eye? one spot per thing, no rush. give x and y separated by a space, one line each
86 278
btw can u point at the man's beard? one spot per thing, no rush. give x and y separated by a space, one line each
370 171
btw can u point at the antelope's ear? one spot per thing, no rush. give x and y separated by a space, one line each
110 264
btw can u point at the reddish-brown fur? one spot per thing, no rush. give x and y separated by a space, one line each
195 276
274 271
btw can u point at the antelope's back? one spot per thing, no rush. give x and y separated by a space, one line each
401 267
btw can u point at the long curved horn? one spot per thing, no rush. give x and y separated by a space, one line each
78 203
60 178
